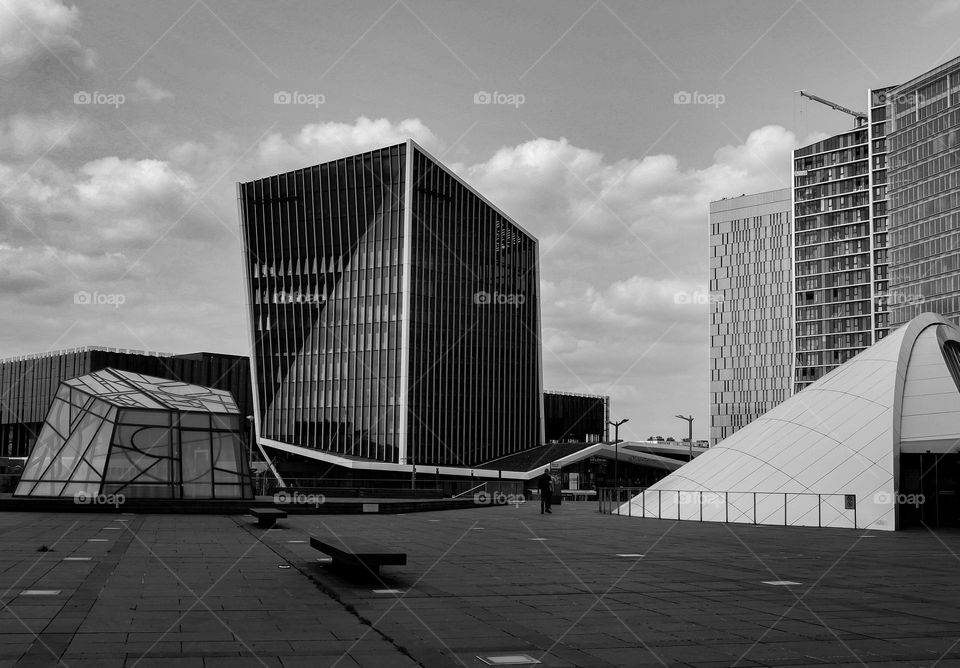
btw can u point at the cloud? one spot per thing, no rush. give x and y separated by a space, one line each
23 135
147 91
623 247
320 142
30 29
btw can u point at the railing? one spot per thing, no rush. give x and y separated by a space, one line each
266 484
780 508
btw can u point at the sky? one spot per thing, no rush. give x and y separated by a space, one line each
124 127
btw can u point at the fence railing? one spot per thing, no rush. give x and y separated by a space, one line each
266 484
748 507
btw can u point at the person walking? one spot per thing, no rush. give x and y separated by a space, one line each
545 485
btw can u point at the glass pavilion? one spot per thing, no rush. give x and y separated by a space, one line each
117 432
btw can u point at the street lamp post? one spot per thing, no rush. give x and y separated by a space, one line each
689 419
616 450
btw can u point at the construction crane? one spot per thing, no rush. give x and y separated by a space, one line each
859 116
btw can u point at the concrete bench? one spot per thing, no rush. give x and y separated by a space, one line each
267 517
356 553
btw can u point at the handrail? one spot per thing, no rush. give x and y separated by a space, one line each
611 501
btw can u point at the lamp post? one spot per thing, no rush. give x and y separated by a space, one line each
689 419
616 450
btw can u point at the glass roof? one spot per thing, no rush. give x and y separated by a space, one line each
135 390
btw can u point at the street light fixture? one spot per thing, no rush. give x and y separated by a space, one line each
616 450
689 419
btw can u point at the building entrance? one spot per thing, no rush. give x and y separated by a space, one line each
928 490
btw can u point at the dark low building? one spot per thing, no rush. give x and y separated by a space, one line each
29 383
575 418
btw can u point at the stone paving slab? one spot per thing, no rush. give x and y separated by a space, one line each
219 591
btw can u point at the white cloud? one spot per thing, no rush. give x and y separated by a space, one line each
33 28
147 91
320 142
23 135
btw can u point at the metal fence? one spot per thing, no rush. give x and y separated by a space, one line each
779 508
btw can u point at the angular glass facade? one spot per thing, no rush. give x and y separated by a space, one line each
115 432
750 309
924 194
394 313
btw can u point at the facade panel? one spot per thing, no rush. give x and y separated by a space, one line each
924 194
575 418
750 308
322 251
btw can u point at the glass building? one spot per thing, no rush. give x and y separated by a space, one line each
394 314
750 308
28 383
924 194
569 417
119 433
839 253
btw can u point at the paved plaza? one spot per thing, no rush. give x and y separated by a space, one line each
567 589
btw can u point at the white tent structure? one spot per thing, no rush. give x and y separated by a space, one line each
830 454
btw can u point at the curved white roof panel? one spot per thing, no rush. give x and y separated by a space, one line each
800 463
